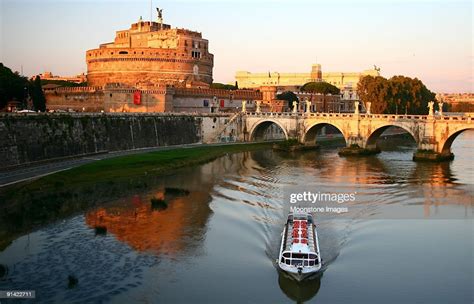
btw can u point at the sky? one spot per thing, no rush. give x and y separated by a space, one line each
431 40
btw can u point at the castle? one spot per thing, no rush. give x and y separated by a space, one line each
151 53
150 67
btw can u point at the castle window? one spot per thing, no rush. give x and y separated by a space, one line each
123 52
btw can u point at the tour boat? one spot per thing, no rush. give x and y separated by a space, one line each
299 249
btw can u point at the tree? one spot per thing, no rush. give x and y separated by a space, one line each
408 95
289 97
375 90
321 87
397 95
222 86
39 101
12 86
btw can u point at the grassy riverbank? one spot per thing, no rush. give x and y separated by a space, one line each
27 205
137 165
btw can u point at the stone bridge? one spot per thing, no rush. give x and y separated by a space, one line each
433 134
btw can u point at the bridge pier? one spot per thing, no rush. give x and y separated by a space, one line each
357 146
432 156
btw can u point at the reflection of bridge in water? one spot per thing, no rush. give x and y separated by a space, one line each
433 134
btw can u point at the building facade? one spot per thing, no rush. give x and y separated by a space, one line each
346 81
151 53
76 79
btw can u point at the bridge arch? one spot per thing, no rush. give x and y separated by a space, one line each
312 131
446 145
371 142
260 127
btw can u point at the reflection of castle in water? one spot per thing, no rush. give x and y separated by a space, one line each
173 230
176 229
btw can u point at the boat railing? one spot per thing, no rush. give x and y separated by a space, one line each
310 259
299 261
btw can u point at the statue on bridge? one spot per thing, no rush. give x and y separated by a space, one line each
356 107
295 107
258 106
308 106
368 104
431 108
244 106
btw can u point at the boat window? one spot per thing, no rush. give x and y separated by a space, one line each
296 262
286 254
312 256
300 255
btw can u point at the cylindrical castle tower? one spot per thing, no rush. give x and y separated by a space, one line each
151 53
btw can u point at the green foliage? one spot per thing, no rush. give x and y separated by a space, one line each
39 101
222 86
320 87
288 96
12 86
376 90
398 94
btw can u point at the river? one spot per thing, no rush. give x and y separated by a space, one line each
407 237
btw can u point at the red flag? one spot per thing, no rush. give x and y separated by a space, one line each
137 97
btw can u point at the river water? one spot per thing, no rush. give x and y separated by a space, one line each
407 237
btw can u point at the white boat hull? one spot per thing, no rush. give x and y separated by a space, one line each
299 250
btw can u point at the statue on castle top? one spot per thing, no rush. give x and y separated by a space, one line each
160 14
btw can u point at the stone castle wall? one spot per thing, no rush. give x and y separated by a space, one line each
134 66
79 99
29 138
156 100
